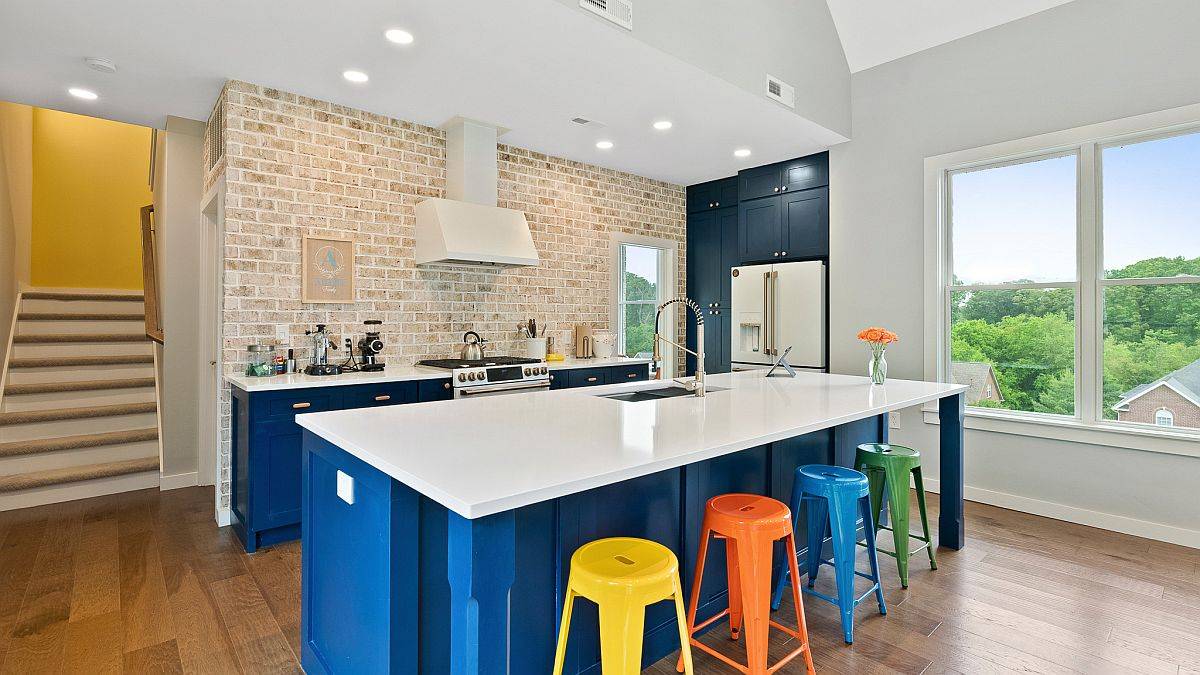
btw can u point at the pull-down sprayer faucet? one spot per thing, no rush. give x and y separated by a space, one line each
697 384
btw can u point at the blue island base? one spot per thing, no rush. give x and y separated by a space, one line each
394 582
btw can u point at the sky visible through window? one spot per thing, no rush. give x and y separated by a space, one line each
642 261
1019 222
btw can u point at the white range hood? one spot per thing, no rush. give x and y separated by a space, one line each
468 227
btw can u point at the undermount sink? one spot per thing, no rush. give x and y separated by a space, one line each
655 394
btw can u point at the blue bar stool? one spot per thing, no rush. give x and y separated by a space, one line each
833 494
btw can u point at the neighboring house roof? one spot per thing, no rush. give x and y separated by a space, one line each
1185 382
977 376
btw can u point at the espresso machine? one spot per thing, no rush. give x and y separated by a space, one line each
320 356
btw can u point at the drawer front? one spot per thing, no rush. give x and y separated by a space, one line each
373 395
289 403
435 390
587 377
630 373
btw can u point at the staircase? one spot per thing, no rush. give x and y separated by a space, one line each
78 411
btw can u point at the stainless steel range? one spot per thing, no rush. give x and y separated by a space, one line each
493 375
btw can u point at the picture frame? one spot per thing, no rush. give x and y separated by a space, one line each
327 269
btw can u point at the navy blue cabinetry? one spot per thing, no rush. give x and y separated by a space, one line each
265 472
805 224
266 448
712 243
712 195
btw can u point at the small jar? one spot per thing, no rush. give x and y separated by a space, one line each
260 360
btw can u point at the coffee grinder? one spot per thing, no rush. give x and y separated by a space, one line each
370 347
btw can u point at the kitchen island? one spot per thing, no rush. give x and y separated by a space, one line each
436 536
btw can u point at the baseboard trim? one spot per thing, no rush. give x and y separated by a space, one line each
224 517
1073 514
178 480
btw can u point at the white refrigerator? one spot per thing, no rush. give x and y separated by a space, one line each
776 307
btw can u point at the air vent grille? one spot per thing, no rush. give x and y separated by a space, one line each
215 149
619 12
780 91
585 122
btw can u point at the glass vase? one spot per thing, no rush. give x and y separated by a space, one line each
877 367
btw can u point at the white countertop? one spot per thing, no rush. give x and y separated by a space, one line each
483 456
394 374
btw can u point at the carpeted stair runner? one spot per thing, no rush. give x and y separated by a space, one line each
75 474
72 361
55 338
89 385
54 295
16 448
59 414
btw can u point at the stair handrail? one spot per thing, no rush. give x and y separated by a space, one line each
154 329
16 312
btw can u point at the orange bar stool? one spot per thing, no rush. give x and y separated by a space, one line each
750 525
622 576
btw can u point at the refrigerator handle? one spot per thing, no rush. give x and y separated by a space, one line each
774 312
766 322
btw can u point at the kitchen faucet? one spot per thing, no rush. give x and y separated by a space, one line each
697 384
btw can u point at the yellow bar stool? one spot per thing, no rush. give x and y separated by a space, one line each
622 576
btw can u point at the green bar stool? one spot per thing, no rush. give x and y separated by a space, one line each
888 467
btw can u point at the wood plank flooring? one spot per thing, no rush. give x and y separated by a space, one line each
145 582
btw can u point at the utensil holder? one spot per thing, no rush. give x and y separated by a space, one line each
535 348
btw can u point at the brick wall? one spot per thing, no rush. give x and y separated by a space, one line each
295 165
1143 408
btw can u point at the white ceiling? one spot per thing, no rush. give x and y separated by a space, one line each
528 65
878 31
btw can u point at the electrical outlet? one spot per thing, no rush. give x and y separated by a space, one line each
281 334
893 420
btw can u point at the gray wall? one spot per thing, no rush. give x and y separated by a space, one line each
1084 62
741 41
177 207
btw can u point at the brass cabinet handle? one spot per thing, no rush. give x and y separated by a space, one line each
631 375
445 385
298 406
383 397
591 379
552 376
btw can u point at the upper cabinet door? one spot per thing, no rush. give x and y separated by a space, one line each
759 182
726 193
701 197
802 174
806 224
760 233
712 195
727 223
704 258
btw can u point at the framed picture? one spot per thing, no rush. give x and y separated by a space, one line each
326 270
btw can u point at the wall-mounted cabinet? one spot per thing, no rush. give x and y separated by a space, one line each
766 214
717 194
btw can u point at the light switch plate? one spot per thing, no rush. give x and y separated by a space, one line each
894 420
281 334
345 487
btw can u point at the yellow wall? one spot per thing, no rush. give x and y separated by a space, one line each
89 182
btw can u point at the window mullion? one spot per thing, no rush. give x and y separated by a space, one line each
1089 329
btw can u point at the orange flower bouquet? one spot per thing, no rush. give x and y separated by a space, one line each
878 339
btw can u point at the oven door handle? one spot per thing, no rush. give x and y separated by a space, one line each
468 391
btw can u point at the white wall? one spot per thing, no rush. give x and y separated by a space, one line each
741 41
1084 62
177 194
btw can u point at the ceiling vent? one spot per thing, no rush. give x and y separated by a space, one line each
585 122
780 91
619 12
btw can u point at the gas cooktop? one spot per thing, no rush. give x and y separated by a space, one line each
451 364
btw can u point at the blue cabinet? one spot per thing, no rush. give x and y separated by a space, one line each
587 377
265 471
806 224
760 230
712 195
783 214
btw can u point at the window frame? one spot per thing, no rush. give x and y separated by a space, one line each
1087 143
666 284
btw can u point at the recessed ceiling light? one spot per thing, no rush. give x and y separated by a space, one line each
85 94
604 145
663 125
741 152
356 76
400 37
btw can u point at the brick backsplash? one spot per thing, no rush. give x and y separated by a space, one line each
294 165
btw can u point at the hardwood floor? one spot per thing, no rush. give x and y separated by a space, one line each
144 582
